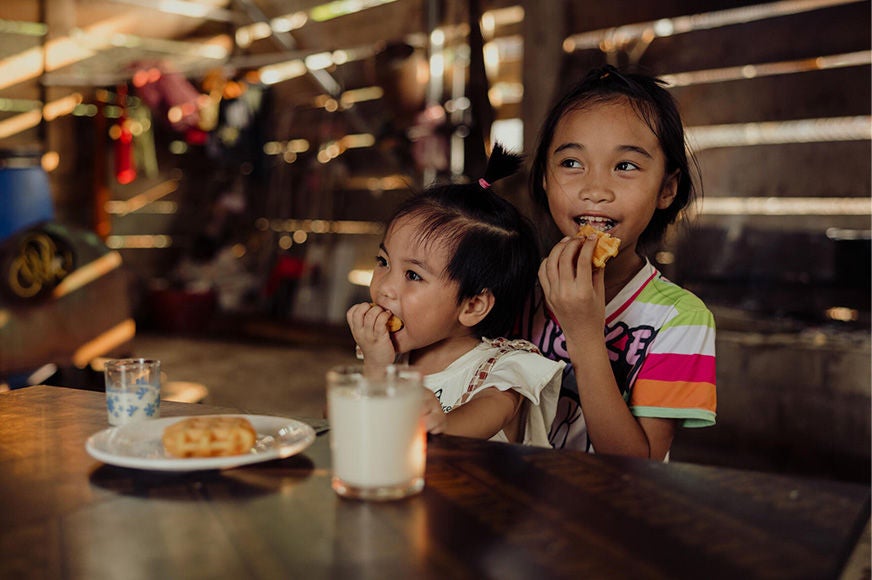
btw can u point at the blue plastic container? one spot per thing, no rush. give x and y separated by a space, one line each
25 199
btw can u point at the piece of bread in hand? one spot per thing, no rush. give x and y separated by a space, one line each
606 245
209 437
394 322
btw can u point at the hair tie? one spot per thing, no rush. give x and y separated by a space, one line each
483 183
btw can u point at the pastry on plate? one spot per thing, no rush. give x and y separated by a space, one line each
217 436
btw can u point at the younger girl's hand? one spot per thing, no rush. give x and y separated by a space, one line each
368 324
574 290
435 418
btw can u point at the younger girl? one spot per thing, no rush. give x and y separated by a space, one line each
612 154
456 265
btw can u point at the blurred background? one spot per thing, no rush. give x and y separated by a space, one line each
207 180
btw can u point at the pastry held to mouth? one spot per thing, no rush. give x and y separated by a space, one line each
606 245
395 323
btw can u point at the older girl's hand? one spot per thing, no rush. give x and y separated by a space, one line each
574 290
368 324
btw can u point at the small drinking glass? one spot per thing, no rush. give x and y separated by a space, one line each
132 390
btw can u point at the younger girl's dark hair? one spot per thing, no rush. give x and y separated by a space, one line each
491 244
656 106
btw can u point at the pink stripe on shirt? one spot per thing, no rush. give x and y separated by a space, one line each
679 367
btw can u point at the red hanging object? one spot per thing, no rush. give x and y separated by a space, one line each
125 167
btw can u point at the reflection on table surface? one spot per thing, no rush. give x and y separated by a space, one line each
488 510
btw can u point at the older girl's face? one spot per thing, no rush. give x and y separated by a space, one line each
409 280
605 167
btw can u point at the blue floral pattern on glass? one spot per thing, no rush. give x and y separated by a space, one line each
143 403
132 389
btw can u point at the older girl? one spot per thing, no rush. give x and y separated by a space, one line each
611 154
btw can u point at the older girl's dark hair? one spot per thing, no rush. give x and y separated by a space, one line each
491 244
656 106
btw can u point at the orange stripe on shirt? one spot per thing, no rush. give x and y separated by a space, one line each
674 394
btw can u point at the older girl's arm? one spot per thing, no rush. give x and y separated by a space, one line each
576 295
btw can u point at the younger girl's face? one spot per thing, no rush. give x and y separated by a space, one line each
605 167
409 280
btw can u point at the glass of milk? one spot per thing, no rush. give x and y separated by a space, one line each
132 390
378 440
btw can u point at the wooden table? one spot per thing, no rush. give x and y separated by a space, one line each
488 510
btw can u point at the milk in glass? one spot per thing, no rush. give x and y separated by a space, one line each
377 436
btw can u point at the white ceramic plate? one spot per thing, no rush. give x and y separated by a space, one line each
138 445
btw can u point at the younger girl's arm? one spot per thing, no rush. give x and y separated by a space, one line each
482 417
575 293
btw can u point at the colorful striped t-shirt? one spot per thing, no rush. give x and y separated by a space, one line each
661 342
